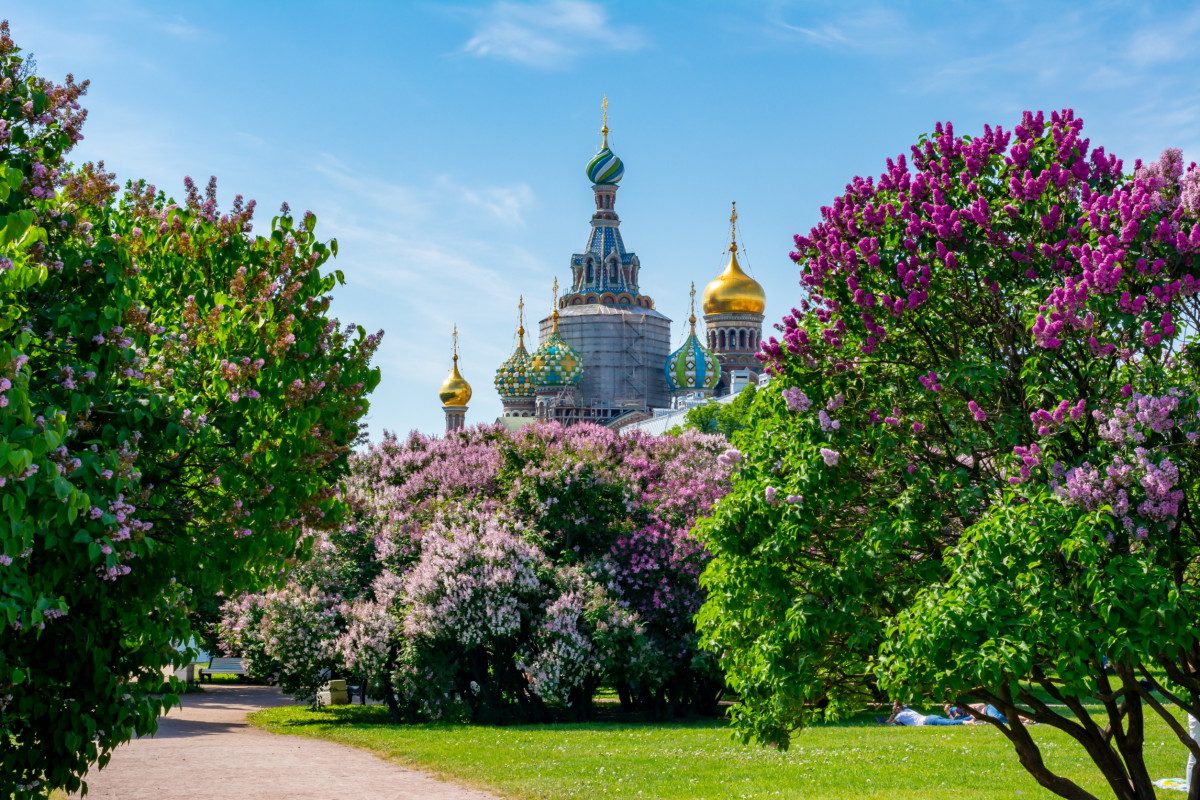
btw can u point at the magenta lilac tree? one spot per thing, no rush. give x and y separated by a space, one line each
495 576
175 404
975 478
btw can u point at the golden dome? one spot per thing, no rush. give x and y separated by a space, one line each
733 291
455 390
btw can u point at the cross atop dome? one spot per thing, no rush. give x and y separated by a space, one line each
604 127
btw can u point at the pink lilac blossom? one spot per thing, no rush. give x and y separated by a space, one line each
796 399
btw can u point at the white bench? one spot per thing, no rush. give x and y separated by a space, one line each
224 665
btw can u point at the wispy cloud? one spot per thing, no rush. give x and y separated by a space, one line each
858 27
1165 42
503 203
548 35
179 27
420 258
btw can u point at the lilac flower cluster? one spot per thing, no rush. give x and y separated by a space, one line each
1140 484
474 583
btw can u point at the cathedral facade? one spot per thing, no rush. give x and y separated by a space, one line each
604 352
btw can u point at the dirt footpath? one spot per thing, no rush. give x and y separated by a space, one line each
207 749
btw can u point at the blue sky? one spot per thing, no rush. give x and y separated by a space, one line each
443 144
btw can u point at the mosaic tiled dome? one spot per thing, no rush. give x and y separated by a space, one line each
605 168
693 366
512 377
555 363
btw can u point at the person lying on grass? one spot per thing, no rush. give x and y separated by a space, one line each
984 709
903 715
961 712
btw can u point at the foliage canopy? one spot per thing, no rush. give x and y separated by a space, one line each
175 405
976 468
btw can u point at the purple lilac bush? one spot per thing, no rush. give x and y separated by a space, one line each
490 575
985 427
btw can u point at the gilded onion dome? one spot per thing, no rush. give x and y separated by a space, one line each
693 366
733 291
555 363
512 377
455 390
605 167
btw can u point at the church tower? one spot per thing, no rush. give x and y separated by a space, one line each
733 315
455 393
605 317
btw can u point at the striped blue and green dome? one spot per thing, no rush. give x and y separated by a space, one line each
605 168
693 366
555 363
512 377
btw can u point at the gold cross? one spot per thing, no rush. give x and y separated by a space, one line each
521 319
692 315
604 109
554 308
455 340
733 228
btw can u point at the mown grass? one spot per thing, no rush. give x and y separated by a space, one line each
699 759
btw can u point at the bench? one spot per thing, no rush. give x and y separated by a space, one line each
224 665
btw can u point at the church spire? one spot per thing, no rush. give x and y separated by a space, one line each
733 229
554 308
521 321
604 127
692 315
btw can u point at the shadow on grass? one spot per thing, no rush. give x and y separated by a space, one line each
299 718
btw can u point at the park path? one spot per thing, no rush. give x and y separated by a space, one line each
208 749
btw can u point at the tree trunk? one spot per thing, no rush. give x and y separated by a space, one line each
625 696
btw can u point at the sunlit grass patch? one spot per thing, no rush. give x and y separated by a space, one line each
698 759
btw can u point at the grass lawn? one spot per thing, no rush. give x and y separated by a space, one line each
699 760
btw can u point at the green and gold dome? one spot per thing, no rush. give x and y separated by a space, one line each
555 363
693 367
512 377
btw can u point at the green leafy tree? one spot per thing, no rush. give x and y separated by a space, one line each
976 476
175 409
723 418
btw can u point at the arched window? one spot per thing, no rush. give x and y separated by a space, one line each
589 272
721 339
742 337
